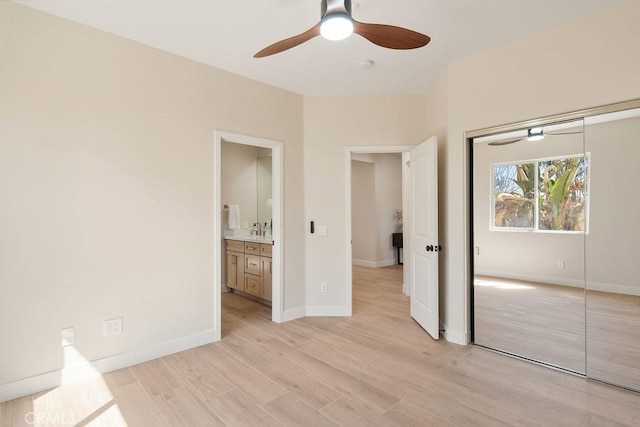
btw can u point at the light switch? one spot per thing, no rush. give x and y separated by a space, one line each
322 230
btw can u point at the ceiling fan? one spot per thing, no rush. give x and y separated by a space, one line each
336 23
533 134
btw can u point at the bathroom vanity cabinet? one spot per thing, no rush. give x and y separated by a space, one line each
249 268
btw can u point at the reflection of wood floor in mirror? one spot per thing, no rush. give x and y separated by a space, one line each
534 320
546 323
613 338
377 368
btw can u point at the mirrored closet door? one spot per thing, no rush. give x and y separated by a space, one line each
530 214
613 249
556 242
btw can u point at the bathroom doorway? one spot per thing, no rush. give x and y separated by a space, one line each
245 186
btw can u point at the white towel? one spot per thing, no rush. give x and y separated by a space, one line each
233 217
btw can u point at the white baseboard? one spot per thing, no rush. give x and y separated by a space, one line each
591 286
293 314
405 289
26 386
613 288
455 336
373 264
328 311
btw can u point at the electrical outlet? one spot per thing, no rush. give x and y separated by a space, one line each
112 327
245 225
67 336
560 265
323 288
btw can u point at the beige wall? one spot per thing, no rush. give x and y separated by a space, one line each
331 124
612 254
364 221
389 198
588 63
106 172
376 224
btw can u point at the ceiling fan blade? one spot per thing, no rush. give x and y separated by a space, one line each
390 36
285 44
563 133
505 142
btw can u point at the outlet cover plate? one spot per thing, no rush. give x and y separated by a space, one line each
112 327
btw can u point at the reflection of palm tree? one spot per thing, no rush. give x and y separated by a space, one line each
558 177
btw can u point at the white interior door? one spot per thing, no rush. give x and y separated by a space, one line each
423 245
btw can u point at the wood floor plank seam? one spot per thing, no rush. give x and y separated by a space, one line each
150 397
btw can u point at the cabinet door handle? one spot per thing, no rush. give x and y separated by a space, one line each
235 260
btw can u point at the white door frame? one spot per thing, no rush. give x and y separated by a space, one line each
277 153
365 149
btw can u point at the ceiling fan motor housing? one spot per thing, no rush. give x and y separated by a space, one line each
323 7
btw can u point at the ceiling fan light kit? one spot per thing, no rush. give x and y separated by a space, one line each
336 23
336 27
535 134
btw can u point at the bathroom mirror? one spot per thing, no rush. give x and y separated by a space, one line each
530 209
247 183
264 186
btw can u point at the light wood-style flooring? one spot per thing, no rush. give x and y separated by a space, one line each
534 320
593 332
375 368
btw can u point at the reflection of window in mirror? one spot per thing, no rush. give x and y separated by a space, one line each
541 195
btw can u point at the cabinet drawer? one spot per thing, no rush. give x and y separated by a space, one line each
252 248
252 285
235 245
266 250
252 265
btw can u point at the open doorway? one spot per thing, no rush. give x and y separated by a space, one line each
248 246
376 202
419 183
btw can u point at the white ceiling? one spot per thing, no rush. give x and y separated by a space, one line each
227 33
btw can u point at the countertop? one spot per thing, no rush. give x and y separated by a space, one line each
259 239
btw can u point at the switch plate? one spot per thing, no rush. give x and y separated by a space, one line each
112 327
323 288
245 225
560 265
67 336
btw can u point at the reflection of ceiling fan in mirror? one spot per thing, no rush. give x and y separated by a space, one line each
533 134
336 23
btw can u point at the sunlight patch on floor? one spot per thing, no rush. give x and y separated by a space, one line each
501 284
83 397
